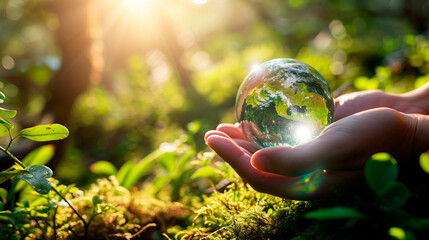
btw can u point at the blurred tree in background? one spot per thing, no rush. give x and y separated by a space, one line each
127 75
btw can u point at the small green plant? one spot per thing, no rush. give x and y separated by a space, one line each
37 176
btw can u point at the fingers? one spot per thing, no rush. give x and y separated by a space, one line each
318 184
352 103
345 145
299 160
233 130
259 180
242 143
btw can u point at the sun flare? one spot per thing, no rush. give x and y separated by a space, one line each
303 133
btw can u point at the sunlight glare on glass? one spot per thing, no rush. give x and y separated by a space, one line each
199 2
255 66
303 133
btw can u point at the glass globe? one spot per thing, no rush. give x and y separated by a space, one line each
283 102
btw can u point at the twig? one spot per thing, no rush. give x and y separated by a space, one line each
54 226
74 233
16 160
142 229
85 225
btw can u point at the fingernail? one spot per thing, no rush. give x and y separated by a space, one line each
261 163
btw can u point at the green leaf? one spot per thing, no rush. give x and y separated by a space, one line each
38 177
206 171
2 96
397 233
193 127
6 216
184 160
3 195
103 168
380 169
419 224
424 162
48 132
96 200
10 173
39 156
393 195
124 171
6 113
168 161
140 169
338 212
5 127
364 83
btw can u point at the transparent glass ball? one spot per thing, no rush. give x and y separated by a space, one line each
283 102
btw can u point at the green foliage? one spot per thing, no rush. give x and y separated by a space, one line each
424 161
242 213
150 93
37 176
43 133
380 170
338 212
103 168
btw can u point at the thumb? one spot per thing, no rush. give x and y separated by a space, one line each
344 145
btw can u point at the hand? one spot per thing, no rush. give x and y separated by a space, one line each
352 103
334 160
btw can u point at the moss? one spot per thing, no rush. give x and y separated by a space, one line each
242 213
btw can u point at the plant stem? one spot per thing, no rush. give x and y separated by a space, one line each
11 140
16 160
85 225
54 226
74 233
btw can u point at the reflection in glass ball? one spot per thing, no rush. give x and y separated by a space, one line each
283 102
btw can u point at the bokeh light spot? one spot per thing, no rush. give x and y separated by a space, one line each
199 2
8 62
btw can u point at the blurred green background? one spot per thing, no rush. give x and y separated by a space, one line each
129 76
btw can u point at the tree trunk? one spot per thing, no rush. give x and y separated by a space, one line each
81 62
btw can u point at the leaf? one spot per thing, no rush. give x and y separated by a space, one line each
124 171
38 177
2 96
206 171
10 173
140 169
364 83
3 195
103 168
419 224
193 127
48 132
96 200
424 162
168 161
393 195
39 156
6 113
338 212
380 169
5 127
397 233
6 216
